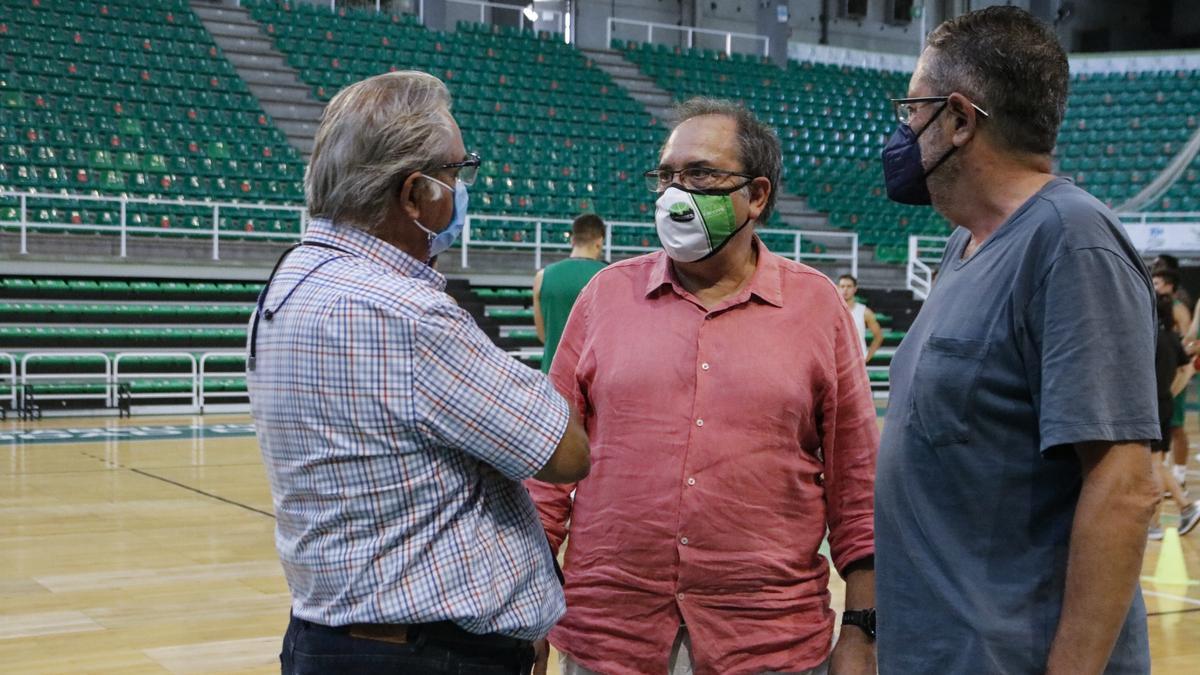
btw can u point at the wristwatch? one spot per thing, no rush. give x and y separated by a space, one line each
863 618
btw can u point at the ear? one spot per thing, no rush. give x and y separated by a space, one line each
965 118
407 196
760 192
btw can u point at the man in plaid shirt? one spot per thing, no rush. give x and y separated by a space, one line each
394 433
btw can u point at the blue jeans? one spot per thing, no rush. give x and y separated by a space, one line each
312 649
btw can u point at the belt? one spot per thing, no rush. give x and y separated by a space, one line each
442 632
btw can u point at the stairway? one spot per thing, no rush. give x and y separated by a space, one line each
276 85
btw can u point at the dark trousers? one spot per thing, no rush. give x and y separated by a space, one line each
433 649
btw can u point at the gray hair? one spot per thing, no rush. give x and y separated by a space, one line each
758 146
1011 65
373 135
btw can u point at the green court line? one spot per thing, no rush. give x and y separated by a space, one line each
156 432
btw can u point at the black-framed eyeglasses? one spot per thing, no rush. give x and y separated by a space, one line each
906 107
468 169
697 178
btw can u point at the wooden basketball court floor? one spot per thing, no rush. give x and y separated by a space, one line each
146 546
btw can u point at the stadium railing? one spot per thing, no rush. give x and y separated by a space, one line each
27 389
688 31
800 245
922 252
123 229
542 243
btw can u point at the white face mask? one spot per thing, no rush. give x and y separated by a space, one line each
693 226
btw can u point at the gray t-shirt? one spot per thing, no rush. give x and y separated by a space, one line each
1041 339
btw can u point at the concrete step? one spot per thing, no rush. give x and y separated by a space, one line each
651 99
233 30
281 93
297 128
623 70
275 78
221 12
244 44
605 56
260 60
300 111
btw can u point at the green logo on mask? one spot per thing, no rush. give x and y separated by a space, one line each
681 212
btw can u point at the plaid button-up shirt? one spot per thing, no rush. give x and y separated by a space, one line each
395 436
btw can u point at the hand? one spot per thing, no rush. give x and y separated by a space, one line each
541 654
854 654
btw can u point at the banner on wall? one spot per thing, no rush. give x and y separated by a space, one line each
1163 237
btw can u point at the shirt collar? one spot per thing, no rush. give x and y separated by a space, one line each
766 284
372 248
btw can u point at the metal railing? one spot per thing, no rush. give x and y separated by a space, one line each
540 246
112 377
845 244
522 19
103 378
123 229
918 273
121 377
689 32
203 395
10 380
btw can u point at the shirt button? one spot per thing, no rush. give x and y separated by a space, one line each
699 423
703 366
683 541
679 596
691 481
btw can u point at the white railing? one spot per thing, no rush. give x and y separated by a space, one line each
104 378
540 246
10 380
203 395
484 7
522 18
845 244
113 376
119 377
1163 231
918 274
689 32
123 229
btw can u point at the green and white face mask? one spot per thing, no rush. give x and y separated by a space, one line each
693 225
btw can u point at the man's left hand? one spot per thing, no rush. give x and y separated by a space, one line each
854 653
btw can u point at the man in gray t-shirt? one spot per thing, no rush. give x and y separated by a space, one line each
1013 490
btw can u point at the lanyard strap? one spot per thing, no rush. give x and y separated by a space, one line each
269 314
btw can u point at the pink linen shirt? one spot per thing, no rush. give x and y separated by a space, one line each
723 443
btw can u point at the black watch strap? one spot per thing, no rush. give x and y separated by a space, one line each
862 618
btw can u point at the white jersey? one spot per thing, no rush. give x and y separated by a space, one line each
859 312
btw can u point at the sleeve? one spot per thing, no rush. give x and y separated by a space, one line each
849 443
469 394
1092 319
553 501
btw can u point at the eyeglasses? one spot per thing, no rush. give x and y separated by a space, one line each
906 107
697 178
467 169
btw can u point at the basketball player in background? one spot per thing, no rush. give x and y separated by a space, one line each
864 317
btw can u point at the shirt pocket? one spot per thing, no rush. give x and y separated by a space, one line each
944 387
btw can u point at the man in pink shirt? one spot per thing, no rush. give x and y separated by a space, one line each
731 423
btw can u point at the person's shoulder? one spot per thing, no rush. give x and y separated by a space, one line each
1074 219
391 293
629 269
798 277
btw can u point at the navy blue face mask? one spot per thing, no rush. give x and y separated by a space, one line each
903 171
